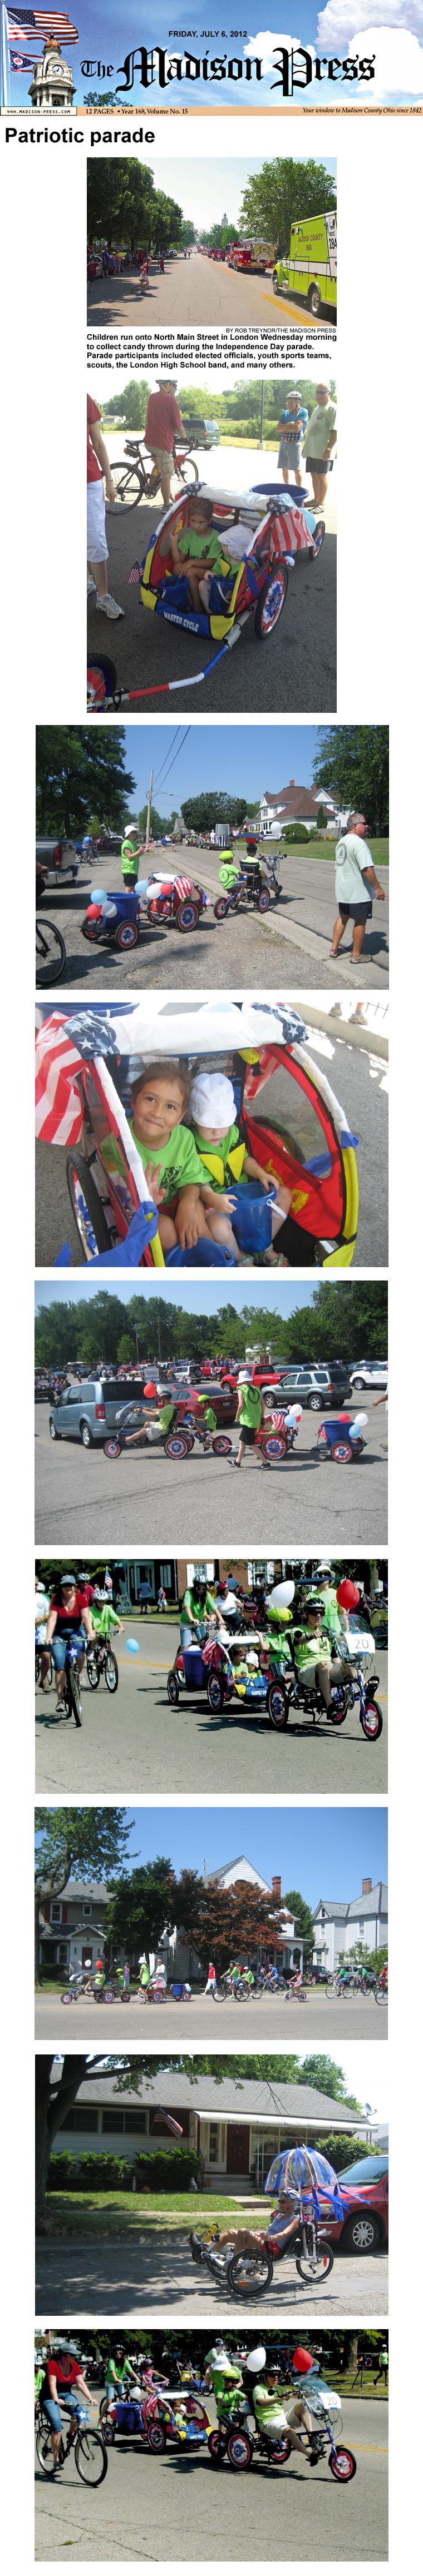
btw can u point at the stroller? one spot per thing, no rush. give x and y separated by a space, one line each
288 1118
277 524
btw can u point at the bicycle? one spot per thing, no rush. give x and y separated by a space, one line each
71 1696
39 1652
100 1659
90 2450
380 1992
134 483
50 953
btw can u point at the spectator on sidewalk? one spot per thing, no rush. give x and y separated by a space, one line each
292 423
97 550
355 878
320 438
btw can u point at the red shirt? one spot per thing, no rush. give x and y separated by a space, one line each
65 2372
66 1618
163 417
86 1595
94 473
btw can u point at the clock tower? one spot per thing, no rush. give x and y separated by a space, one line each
52 85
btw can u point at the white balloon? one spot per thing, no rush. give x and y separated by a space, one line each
282 1595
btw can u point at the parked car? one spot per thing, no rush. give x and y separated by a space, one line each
363 2187
317 1387
263 1377
203 433
370 1373
88 1412
222 1399
59 859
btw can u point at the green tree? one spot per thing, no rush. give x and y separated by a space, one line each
120 201
88 1840
80 769
126 1348
57 2085
142 1906
135 404
281 193
352 761
214 805
188 234
304 1926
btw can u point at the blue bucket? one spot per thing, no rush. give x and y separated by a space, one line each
252 1217
193 1668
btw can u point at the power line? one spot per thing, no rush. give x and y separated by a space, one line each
168 752
176 753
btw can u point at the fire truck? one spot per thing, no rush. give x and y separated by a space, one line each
255 255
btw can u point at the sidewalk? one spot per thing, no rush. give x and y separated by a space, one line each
306 913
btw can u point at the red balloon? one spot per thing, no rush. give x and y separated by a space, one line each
348 1595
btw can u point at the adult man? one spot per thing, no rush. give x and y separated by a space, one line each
68 1617
163 417
320 438
97 551
353 864
62 2373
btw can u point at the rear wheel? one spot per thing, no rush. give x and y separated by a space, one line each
222 1447
221 908
156 2437
279 2452
216 2448
264 899
343 2465
277 1705
172 1690
215 1694
101 680
271 602
86 1435
176 1446
381 1994
127 486
250 2275
50 953
127 935
338 1712
44 2450
187 917
372 1722
86 1207
273 1446
342 1453
318 540
91 2458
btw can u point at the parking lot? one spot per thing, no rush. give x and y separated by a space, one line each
177 2508
83 1498
232 1752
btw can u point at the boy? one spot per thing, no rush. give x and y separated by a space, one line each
218 1143
197 549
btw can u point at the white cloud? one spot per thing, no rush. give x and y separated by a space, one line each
342 19
398 62
266 44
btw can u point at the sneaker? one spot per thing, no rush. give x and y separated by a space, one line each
110 605
91 585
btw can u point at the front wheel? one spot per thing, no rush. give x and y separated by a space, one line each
112 1448
172 1690
221 908
240 2451
277 1705
372 1721
380 1994
186 470
250 2275
91 2458
215 1694
187 917
87 1208
316 2267
343 2465
111 1671
271 602
101 681
93 1670
75 1695
50 953
222 1447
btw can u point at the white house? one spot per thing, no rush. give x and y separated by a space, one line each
235 2128
294 804
338 1927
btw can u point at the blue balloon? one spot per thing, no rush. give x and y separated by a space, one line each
131 1646
98 894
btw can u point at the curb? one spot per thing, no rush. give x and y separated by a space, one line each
309 941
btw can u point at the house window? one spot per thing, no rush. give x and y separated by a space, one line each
80 2120
56 1914
166 1577
215 2154
129 2124
204 1573
86 1909
361 1931
62 1954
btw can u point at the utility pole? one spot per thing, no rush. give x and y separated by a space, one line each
136 1338
160 1347
147 836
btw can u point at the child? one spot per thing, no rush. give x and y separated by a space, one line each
217 1138
168 1153
200 544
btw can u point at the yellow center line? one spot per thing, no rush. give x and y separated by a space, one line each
308 320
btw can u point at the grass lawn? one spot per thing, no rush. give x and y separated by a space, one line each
379 851
109 2213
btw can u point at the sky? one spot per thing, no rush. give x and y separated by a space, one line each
323 1851
107 32
200 1298
244 760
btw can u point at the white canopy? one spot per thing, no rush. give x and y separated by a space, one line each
146 1030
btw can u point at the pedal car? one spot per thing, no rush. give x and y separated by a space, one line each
210 1667
287 1114
270 525
342 1438
117 917
176 898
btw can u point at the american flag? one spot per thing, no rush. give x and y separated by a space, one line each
166 2122
59 1115
135 575
39 22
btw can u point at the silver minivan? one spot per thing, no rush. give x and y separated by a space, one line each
89 1412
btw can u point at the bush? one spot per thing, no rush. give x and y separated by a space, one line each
295 832
161 2171
168 2172
342 2150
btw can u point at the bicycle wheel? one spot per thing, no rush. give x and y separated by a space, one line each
240 2450
343 2465
128 486
316 2267
277 1706
172 1690
221 1446
250 2275
50 953
74 1694
186 470
372 1722
113 1448
91 2458
380 1994
44 2451
156 2437
111 1671
93 1669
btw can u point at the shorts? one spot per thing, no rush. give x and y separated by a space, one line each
60 1644
355 911
247 1432
319 464
163 458
290 453
51 2409
97 550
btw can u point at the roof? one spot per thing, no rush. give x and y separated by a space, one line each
300 800
374 1902
79 1891
240 1857
249 2101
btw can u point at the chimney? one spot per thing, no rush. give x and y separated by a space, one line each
276 1888
292 782
366 1887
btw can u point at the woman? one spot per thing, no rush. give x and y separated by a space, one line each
68 1617
291 426
62 2373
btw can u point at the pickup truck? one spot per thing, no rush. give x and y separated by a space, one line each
255 255
59 859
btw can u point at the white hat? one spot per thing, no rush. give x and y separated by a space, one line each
213 1100
244 1377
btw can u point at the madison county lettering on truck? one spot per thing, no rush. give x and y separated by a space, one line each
310 271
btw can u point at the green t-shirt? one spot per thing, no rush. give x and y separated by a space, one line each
103 1618
166 1416
202 548
267 2403
251 1406
310 1648
39 2375
177 1162
131 854
332 1618
227 2386
209 1417
218 1170
319 429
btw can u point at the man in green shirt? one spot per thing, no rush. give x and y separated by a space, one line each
250 1413
319 439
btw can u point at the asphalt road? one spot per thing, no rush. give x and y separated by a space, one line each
203 2025
293 670
291 944
233 1753
188 2506
359 1082
83 1498
196 291
155 2273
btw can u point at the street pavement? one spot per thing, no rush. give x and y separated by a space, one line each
200 292
154 2273
360 1082
268 2024
87 1499
232 1753
186 2509
287 949
293 670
